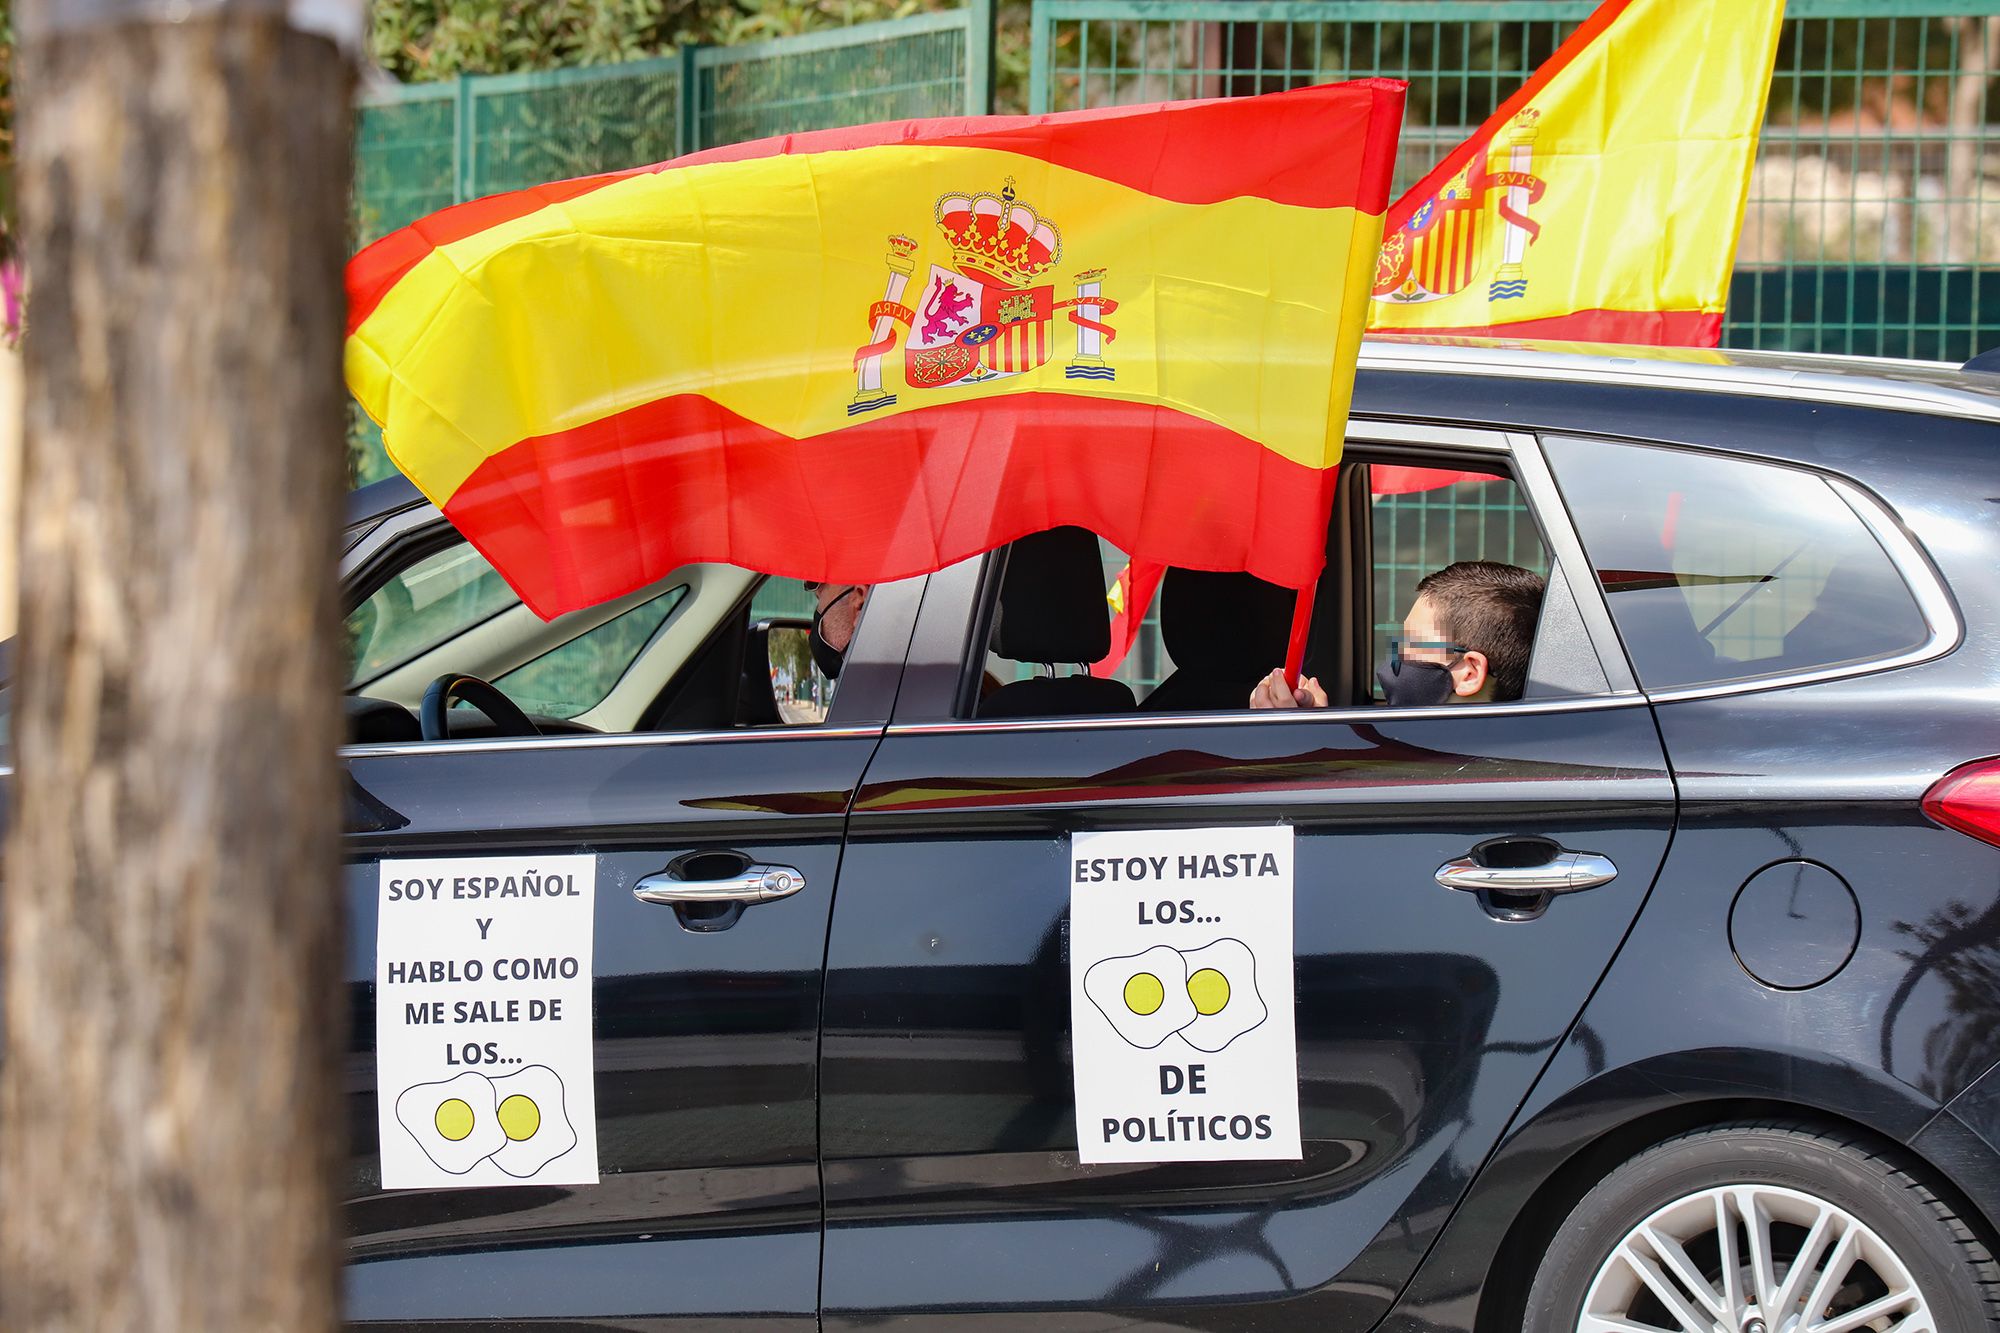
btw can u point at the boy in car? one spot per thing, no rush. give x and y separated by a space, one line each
1466 640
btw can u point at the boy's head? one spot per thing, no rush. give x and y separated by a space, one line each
1477 620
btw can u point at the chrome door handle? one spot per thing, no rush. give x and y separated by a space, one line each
753 884
1565 872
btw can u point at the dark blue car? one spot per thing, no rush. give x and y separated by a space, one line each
1741 1072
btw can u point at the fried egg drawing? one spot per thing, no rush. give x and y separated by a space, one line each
455 1122
1145 995
1222 988
531 1114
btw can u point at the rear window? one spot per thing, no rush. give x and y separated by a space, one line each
1721 569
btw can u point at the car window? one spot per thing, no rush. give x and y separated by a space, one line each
1720 569
715 647
437 598
1423 519
575 677
1203 641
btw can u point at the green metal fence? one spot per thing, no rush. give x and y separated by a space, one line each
1872 226
422 147
1874 213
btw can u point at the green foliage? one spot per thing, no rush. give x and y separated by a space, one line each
419 40
791 654
1011 56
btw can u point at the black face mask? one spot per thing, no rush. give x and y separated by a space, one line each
826 657
1408 684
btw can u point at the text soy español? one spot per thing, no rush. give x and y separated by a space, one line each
481 887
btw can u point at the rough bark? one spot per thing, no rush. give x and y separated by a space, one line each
170 1115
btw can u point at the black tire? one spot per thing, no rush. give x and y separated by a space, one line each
1950 1264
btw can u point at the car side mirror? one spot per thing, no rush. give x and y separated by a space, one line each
780 685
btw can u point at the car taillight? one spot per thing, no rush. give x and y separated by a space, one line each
1968 799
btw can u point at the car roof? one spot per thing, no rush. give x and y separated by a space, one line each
1935 387
378 500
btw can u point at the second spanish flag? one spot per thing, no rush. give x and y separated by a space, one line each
865 354
1601 202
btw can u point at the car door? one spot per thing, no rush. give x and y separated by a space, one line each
713 855
954 1193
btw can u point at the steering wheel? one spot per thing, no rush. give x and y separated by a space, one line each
434 714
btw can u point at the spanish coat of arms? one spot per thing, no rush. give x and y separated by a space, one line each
988 315
1448 241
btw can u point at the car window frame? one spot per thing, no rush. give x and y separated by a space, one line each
390 545
862 704
949 640
1543 508
1945 627
419 533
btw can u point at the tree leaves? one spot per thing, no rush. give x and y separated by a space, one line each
421 40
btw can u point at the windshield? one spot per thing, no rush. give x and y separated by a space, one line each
438 598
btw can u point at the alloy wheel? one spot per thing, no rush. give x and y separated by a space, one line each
1753 1259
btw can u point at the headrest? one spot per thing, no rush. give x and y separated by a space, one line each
1052 606
1231 626
1066 696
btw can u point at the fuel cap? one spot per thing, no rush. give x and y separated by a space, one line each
1794 925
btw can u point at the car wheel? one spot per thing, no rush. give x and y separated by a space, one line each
1764 1229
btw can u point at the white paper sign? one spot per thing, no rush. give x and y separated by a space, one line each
1180 980
483 1022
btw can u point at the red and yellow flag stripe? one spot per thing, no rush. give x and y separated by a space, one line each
603 379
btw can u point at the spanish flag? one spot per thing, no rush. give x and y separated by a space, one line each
1602 202
860 355
1130 596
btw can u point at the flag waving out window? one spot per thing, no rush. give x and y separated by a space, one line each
859 355
1602 201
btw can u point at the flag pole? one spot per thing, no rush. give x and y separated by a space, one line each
1295 647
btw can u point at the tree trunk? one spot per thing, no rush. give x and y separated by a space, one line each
1965 172
171 1118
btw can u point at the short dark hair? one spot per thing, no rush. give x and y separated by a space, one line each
1490 608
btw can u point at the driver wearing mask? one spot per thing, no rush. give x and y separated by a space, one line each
838 610
1466 640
